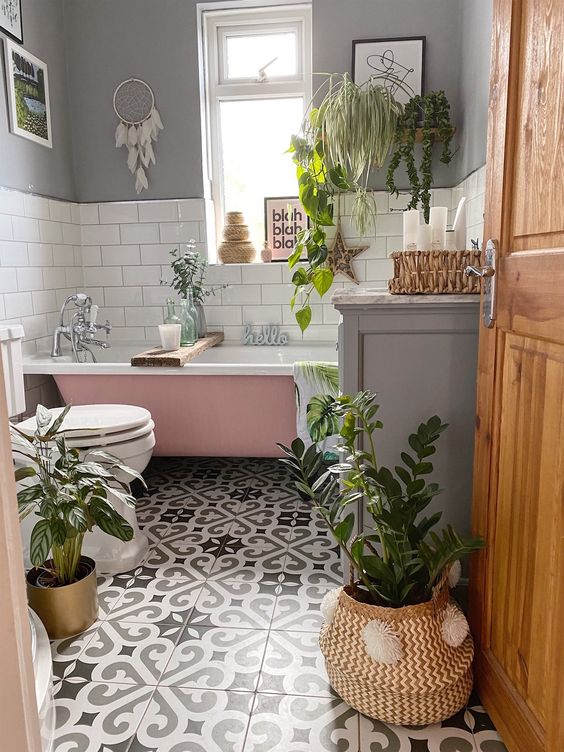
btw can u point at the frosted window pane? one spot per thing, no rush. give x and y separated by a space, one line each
247 54
255 134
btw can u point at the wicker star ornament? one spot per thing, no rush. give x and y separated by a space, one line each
340 257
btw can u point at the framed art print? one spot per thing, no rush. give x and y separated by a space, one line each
284 217
403 57
11 19
28 95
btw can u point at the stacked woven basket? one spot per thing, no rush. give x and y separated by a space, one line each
433 272
236 247
409 666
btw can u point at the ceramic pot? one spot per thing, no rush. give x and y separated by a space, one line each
67 610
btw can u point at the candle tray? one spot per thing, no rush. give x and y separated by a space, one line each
434 273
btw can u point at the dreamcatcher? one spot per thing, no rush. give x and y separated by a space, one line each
140 123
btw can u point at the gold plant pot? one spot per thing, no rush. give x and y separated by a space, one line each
68 610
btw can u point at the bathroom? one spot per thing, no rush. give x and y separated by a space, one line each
141 142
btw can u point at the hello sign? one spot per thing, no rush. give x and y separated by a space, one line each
284 217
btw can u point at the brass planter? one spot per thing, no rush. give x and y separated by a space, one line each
68 610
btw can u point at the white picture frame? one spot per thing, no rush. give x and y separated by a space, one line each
11 19
403 56
27 83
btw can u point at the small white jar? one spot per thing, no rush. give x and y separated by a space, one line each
170 336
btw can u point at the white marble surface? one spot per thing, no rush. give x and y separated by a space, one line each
362 296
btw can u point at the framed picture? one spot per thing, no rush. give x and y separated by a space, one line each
28 95
11 19
284 217
403 57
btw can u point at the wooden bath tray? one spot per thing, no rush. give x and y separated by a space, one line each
156 356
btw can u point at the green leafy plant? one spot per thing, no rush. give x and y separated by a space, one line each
70 494
436 127
189 272
399 558
340 143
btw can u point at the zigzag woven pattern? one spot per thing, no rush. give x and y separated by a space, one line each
432 680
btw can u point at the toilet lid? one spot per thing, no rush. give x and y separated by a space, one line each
103 419
97 441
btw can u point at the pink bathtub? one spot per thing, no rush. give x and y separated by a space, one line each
233 401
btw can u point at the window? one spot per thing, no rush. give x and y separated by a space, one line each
257 73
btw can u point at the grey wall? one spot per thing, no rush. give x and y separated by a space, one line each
108 41
476 24
23 164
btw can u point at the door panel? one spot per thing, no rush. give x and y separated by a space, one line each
517 590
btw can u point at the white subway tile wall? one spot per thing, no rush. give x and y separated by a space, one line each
120 253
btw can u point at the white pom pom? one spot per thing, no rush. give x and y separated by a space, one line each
454 627
454 574
329 604
382 643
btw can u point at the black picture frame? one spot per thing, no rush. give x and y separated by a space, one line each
357 42
10 34
277 199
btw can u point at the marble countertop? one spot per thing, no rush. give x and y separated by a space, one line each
362 296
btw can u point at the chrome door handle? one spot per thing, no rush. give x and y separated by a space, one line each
487 273
479 271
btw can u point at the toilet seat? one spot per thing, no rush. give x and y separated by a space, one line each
102 419
95 440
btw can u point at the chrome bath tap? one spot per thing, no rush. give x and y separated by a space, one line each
81 329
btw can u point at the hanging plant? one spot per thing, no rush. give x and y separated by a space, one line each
340 144
436 128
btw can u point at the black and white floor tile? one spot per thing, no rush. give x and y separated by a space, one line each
211 645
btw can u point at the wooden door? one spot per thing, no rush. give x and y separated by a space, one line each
517 584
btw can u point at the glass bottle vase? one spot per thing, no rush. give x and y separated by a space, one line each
171 317
188 321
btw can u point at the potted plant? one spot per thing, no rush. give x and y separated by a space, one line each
341 142
189 272
70 494
396 645
434 128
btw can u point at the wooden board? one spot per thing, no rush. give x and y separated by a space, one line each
156 356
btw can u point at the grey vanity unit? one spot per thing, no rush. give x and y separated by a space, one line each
419 353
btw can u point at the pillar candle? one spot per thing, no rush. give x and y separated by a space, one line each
424 238
410 225
438 222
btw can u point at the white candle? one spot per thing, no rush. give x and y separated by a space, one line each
438 222
410 225
170 336
424 238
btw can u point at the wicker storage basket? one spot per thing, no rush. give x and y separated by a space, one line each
433 272
236 247
429 683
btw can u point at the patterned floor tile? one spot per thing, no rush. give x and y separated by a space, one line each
322 567
110 590
297 608
486 738
216 658
94 717
301 724
293 665
192 720
150 601
235 604
127 653
182 555
65 652
450 736
249 564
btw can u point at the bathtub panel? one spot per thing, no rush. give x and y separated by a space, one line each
210 416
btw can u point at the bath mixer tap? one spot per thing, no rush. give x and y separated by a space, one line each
81 329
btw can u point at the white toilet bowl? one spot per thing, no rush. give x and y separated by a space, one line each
126 432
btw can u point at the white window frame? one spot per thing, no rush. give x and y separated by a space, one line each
218 21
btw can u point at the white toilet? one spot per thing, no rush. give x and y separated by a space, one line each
125 431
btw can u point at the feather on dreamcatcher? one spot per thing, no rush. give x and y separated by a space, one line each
139 126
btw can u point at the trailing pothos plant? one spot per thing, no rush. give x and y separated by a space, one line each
434 109
399 558
340 143
70 494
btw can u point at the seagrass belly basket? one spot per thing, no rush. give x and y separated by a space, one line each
408 666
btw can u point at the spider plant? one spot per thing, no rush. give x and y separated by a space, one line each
398 559
340 144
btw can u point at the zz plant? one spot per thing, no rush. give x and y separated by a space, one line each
68 493
398 559
436 127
